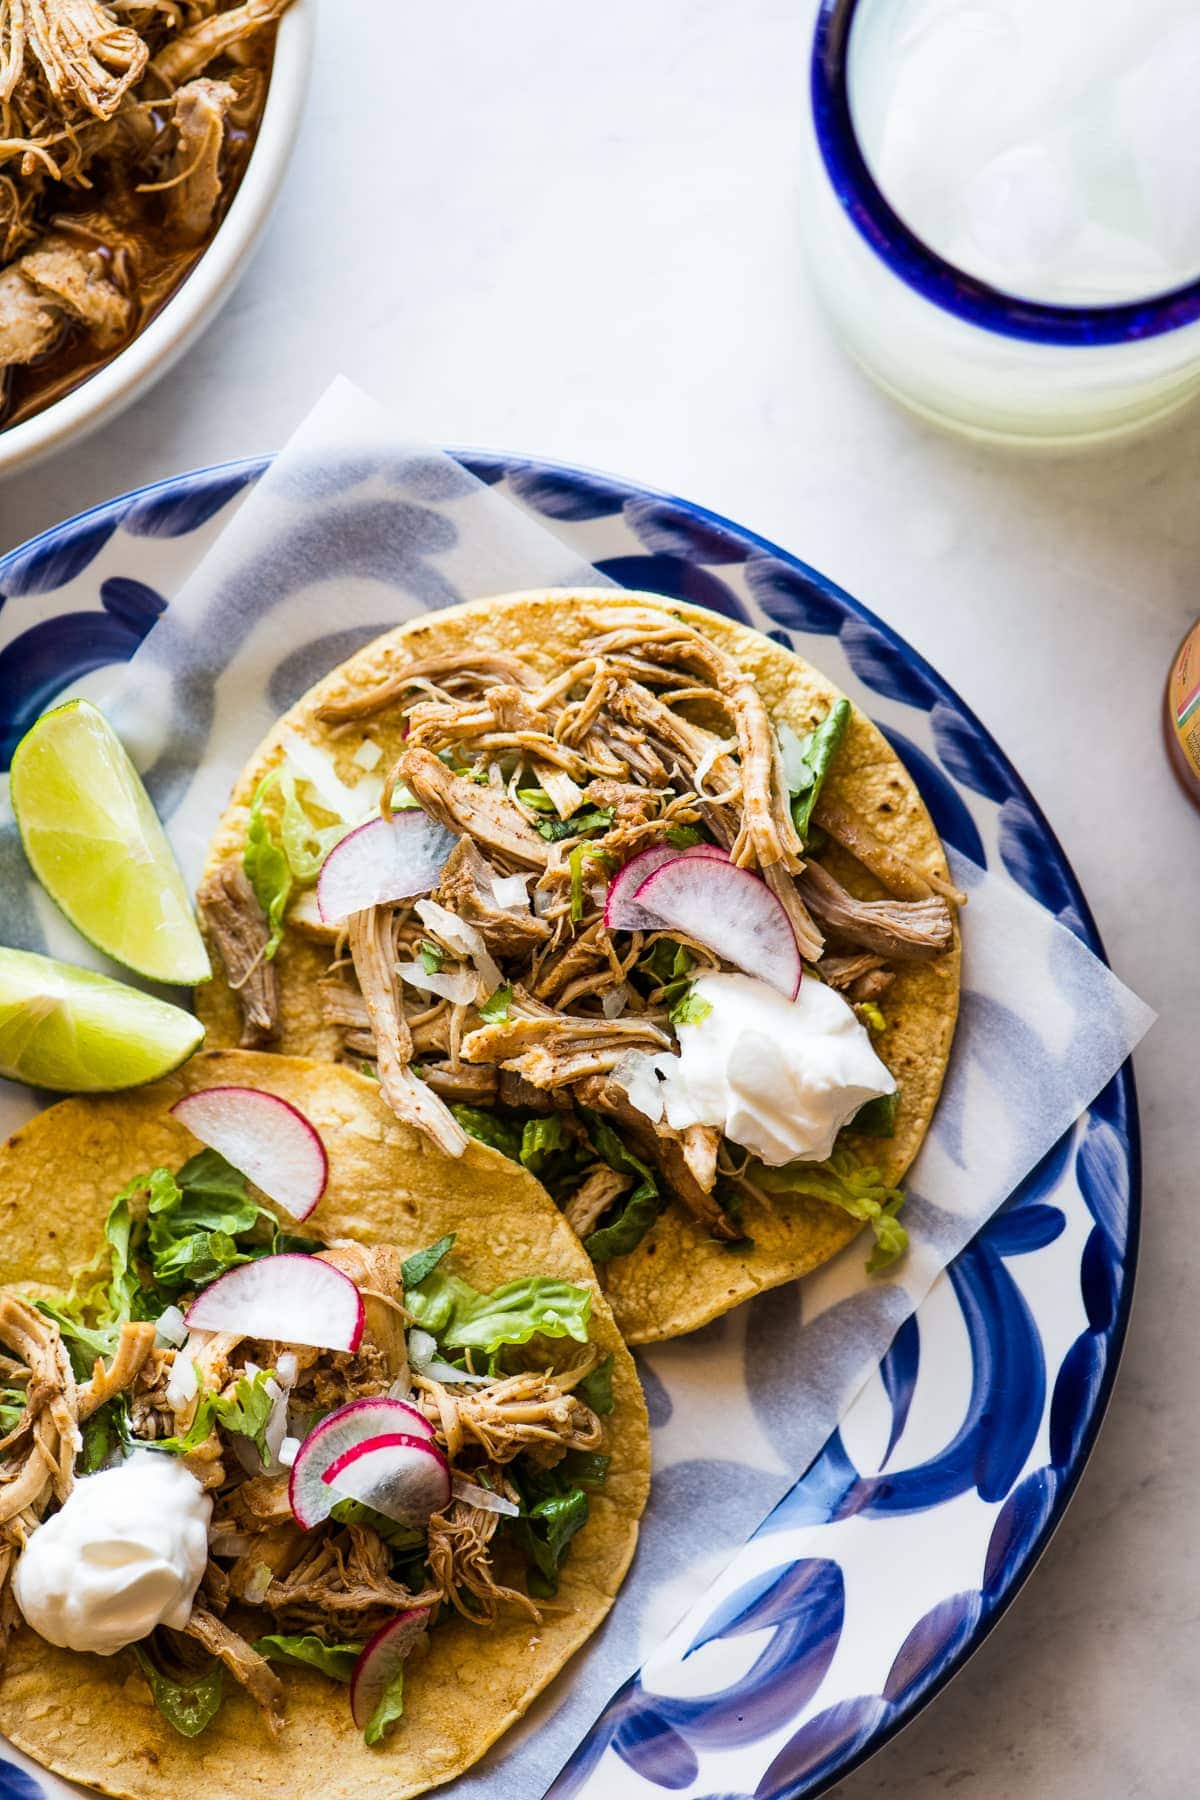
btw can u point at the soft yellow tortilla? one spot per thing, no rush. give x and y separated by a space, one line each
678 1278
91 1718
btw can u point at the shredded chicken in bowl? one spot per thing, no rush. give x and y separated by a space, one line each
125 130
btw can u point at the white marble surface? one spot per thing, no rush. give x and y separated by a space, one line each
576 230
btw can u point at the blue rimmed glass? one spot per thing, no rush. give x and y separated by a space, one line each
950 344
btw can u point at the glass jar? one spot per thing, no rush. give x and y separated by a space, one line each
947 344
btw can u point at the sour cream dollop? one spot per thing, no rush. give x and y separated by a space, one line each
123 1554
780 1077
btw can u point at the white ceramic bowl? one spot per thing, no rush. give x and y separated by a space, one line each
210 282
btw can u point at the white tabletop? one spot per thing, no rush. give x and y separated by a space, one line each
576 230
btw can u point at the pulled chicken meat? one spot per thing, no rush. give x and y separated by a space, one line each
552 778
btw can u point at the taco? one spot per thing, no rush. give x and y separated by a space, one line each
291 1503
658 913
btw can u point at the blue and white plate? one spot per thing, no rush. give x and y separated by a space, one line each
894 1555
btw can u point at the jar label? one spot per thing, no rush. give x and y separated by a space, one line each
1183 698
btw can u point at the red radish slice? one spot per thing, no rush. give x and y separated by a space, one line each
292 1299
731 911
383 860
380 1658
265 1137
355 1423
405 1478
621 911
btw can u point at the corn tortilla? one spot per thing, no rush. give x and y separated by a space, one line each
91 1718
678 1278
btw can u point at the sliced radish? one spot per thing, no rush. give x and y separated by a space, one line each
355 1423
731 911
384 860
621 911
379 1661
290 1299
267 1138
406 1478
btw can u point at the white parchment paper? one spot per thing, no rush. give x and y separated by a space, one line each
354 530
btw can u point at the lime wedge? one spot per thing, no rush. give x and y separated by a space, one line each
95 844
80 1033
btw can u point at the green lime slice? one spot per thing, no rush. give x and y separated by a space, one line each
80 1033
95 843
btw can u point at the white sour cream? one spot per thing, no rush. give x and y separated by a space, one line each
123 1554
780 1077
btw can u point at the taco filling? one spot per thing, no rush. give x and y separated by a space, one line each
234 1449
599 908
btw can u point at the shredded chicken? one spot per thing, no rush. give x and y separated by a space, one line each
530 1412
466 889
460 1562
466 807
407 1095
247 1667
236 923
669 1150
904 930
201 111
375 1270
133 1347
593 1197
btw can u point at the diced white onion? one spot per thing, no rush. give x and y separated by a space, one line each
543 900
255 1590
315 766
614 1001
796 773
288 1452
459 985
720 748
230 1543
287 1368
369 755
511 892
422 1354
483 1498
456 934
182 1383
171 1328
636 1073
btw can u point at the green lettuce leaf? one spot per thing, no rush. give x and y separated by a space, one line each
305 844
682 837
576 859
595 1390
842 1181
542 1136
689 1009
554 1508
495 1008
877 1118
389 1710
84 1342
12 1405
395 1535
461 1318
807 760
423 1262
335 1660
266 865
187 1705
497 1129
636 1211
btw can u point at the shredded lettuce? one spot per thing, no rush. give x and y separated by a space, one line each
588 818
394 1535
334 1660
669 966
842 1181
806 762
576 858
12 1405
432 956
389 1710
689 1009
554 1507
266 865
461 1318
542 1137
187 1705
595 1390
872 1015
878 1117
304 844
495 1008
637 1210
682 837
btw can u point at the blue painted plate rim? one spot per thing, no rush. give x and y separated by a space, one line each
498 463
